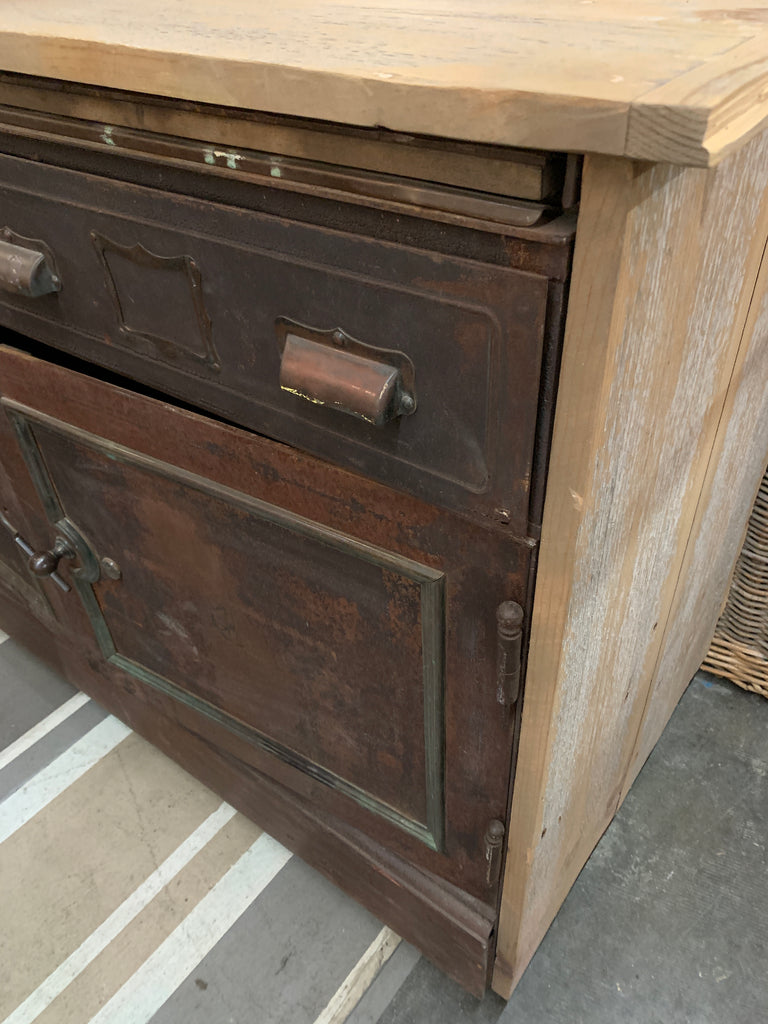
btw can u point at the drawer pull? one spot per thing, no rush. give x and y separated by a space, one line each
26 271
330 368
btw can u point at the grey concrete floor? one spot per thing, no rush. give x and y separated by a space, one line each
668 921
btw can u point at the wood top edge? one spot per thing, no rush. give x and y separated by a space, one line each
694 119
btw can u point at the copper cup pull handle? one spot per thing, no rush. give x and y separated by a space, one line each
26 271
335 377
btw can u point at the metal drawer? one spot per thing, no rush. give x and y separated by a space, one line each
210 302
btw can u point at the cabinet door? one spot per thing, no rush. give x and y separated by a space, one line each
317 628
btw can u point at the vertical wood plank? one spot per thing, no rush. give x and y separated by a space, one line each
735 470
665 267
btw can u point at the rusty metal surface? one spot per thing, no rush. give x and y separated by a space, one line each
228 546
473 331
21 508
394 193
528 174
509 625
158 303
335 645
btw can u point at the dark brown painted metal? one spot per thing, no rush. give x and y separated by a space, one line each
196 606
509 623
25 598
472 330
390 190
331 715
158 302
402 224
317 645
550 375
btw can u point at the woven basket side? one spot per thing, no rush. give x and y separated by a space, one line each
739 649
741 664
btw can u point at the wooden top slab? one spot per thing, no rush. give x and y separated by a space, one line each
653 79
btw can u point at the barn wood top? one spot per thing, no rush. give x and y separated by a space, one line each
665 80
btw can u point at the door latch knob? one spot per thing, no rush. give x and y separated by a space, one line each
42 563
45 563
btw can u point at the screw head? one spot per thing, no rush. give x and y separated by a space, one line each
111 569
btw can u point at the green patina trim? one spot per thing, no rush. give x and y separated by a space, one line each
432 590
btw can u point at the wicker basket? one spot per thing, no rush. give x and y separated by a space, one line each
739 649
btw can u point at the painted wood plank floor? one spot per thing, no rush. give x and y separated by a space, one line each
129 893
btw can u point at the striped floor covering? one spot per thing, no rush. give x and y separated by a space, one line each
130 893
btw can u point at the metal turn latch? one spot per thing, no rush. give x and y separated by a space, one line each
43 563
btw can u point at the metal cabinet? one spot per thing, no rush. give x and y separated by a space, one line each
306 577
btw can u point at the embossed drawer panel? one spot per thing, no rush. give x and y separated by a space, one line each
205 301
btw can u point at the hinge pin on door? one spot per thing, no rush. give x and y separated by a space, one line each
494 837
509 623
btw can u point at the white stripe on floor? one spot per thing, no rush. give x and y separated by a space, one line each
52 780
76 962
3 637
175 958
61 714
354 986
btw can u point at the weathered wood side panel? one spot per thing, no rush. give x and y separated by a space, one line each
665 266
736 468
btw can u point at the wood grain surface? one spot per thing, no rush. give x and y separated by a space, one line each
657 400
658 79
734 472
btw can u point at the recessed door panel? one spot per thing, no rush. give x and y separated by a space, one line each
305 623
324 651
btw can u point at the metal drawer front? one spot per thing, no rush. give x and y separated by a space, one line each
189 297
